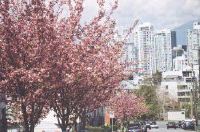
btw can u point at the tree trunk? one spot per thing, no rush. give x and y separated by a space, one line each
121 126
75 127
83 122
62 124
3 121
25 117
26 128
64 129
32 128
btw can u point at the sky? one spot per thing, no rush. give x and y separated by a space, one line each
161 13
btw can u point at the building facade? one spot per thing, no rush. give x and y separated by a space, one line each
193 44
130 58
180 60
178 51
143 36
177 85
161 50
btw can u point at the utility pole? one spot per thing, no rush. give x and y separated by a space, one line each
112 117
163 107
193 99
197 92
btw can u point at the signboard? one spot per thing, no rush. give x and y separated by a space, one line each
112 115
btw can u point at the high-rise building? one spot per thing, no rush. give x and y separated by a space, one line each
193 42
161 50
179 56
178 51
130 51
180 62
143 39
130 57
123 34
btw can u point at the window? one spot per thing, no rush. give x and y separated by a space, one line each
188 79
181 94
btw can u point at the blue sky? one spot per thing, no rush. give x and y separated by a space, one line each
161 13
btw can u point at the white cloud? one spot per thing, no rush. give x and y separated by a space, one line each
161 13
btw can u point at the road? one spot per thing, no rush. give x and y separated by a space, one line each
50 127
163 128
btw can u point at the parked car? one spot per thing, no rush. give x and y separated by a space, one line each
153 124
148 124
188 125
135 127
171 125
143 125
180 123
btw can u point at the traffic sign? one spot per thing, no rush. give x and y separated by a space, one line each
112 114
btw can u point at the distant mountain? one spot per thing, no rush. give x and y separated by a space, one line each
181 32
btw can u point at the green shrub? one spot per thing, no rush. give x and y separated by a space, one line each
102 129
95 129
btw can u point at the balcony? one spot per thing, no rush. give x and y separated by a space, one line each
186 99
190 79
183 97
184 90
184 94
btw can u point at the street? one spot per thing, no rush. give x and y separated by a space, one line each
50 127
163 128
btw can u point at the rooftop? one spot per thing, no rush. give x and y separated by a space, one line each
171 74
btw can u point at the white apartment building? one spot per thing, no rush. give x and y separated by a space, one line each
143 35
177 85
131 84
179 63
161 50
177 51
180 60
193 37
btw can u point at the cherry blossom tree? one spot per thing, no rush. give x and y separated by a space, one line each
127 106
50 59
27 33
86 70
